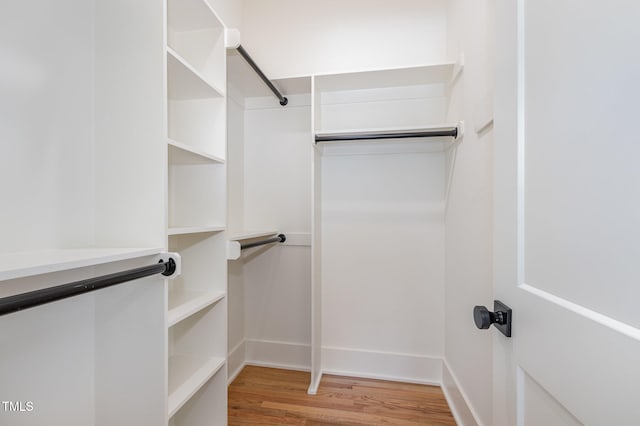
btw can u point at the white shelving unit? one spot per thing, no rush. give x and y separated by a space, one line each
356 179
267 146
86 165
385 101
196 151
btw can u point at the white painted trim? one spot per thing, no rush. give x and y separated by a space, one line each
235 361
315 384
276 365
235 374
397 367
266 353
238 358
458 401
613 324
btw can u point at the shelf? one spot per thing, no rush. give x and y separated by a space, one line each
24 264
180 153
247 235
194 230
187 375
183 304
379 79
185 82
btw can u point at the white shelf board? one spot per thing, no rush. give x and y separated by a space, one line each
183 304
247 235
180 153
191 15
185 82
187 375
24 264
182 230
377 79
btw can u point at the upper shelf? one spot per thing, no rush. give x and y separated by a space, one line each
185 82
378 79
25 264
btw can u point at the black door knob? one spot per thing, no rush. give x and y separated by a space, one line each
483 317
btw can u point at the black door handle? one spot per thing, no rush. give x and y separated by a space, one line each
501 317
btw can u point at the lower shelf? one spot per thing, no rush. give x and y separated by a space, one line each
187 374
183 304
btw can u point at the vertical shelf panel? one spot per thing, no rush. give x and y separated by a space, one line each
196 133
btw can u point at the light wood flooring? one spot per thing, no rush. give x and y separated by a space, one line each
269 396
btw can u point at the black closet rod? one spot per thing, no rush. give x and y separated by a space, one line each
245 55
452 132
281 238
30 299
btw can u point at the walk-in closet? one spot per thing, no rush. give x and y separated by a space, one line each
310 212
299 208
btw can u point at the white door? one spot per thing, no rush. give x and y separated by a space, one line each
567 212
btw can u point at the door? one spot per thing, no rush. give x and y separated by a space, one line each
567 212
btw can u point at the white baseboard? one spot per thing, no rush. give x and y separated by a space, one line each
235 361
291 356
382 365
457 400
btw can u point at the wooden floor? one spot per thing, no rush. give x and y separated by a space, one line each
269 396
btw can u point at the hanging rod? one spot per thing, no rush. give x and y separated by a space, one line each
245 55
281 238
353 136
34 298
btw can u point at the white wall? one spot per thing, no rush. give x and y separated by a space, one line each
269 178
468 351
277 173
46 124
277 177
383 265
304 37
66 74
